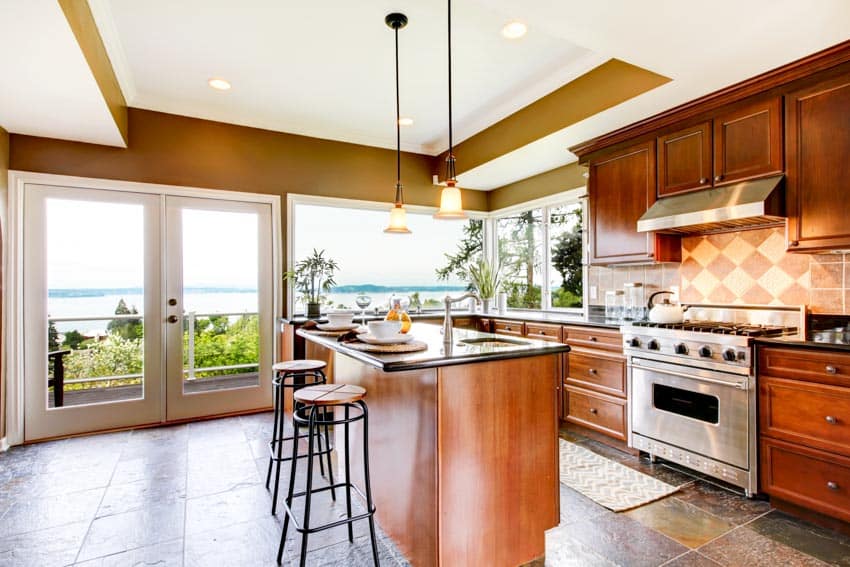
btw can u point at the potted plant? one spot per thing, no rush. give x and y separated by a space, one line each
486 279
313 277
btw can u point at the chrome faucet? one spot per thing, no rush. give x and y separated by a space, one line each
447 321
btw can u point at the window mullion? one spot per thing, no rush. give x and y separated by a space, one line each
545 292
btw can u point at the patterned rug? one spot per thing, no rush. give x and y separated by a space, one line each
611 484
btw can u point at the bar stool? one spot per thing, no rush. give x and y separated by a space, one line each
314 398
294 375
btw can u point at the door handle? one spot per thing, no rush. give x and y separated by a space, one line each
173 318
742 385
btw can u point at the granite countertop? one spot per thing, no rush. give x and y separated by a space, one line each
530 316
802 343
437 355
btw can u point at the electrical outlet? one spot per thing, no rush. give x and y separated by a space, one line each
593 293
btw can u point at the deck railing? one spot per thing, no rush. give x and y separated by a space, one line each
190 371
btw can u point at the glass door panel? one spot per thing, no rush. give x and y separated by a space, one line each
220 292
92 304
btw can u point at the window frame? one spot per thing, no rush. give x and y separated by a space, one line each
489 237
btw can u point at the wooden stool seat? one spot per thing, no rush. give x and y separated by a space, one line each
330 394
299 366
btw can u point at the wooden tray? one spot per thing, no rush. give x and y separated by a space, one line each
412 346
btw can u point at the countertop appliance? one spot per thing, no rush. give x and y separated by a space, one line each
693 390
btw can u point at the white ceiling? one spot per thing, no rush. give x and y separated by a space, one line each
46 86
325 68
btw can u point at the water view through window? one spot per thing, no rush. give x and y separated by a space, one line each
419 265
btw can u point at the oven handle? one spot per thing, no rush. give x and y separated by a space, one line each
738 385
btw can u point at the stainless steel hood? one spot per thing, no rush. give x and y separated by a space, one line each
733 207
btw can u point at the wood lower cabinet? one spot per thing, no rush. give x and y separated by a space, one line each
817 132
804 428
621 187
605 414
543 332
508 327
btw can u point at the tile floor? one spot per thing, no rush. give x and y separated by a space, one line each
194 495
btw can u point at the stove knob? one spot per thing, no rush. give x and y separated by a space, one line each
705 351
634 342
730 355
681 348
653 345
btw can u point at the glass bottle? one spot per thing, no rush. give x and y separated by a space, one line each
398 311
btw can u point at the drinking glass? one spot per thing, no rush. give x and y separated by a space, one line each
363 301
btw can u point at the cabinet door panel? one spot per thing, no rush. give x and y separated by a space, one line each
621 188
818 146
684 160
748 142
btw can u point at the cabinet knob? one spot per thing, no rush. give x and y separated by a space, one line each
172 319
831 419
718 178
703 181
543 333
832 485
592 339
594 411
592 370
831 369
794 243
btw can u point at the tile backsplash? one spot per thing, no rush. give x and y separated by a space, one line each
746 267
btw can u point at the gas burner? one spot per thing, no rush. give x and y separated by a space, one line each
722 328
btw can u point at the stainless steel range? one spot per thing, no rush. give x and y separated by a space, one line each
692 387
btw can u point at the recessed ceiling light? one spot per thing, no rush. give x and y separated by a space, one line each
514 30
219 84
405 121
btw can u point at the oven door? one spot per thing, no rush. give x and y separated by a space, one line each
703 411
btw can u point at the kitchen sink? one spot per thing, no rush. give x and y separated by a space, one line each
488 341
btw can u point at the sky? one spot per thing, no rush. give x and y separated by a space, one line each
365 254
93 244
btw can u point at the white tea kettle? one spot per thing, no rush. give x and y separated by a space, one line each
665 312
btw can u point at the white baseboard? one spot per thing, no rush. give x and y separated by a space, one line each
4 444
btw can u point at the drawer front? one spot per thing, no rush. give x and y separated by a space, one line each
484 325
602 373
543 332
503 327
590 337
806 477
597 411
802 364
813 414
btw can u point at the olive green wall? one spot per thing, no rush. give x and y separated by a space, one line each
541 185
178 150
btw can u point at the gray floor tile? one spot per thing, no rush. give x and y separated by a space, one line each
226 508
45 548
692 559
744 546
168 554
249 544
131 496
42 513
722 503
130 530
827 545
564 551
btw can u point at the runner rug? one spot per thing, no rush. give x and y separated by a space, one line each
611 484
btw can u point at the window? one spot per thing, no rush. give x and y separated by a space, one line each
541 253
425 265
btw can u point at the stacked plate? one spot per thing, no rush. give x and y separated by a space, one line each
393 340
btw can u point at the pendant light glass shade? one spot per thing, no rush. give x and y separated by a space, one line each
398 214
451 205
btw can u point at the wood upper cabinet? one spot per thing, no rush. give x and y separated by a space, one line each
621 187
748 141
817 132
684 160
745 142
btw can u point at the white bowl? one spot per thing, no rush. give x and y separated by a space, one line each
340 318
384 329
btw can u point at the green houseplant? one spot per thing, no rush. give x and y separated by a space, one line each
313 277
486 278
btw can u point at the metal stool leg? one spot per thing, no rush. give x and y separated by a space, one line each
330 466
279 426
348 476
311 432
369 504
292 472
274 433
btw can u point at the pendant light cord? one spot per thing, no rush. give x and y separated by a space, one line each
450 160
397 116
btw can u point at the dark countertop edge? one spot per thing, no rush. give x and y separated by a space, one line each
400 366
801 343
547 317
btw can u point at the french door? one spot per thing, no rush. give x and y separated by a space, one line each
142 308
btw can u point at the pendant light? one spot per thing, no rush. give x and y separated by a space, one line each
398 214
451 206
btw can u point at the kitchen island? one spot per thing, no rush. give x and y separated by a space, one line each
463 443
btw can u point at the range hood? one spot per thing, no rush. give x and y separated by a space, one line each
733 207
